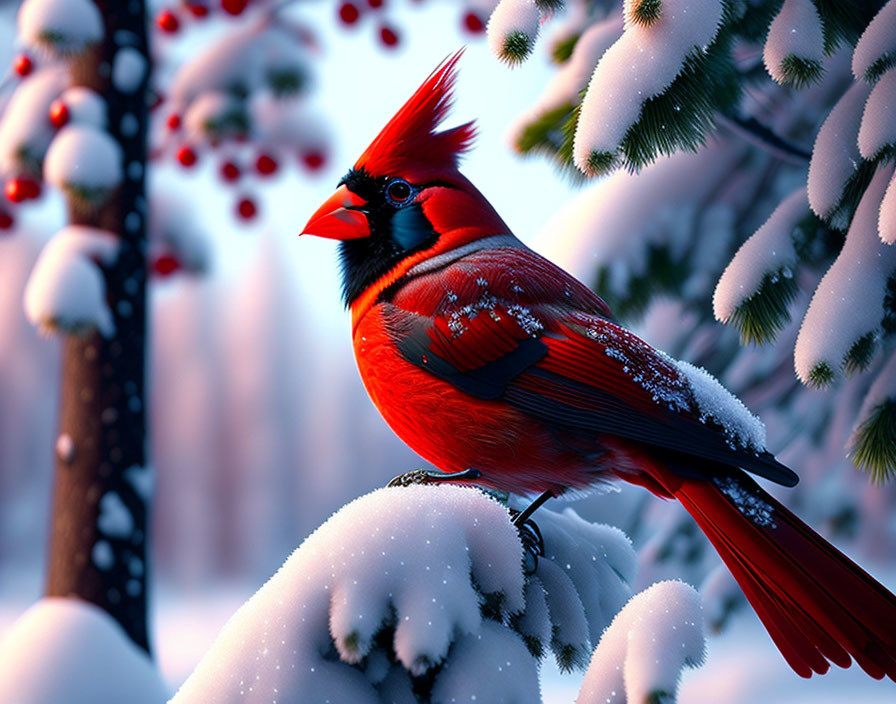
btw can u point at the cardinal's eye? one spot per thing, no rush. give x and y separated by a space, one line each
398 192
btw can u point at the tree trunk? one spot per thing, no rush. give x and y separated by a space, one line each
98 539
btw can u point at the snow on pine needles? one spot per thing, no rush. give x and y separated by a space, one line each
420 592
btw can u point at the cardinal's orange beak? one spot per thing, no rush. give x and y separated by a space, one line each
341 217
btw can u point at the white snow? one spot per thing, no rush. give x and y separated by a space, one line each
848 303
174 229
286 124
641 655
886 221
795 31
83 158
66 650
835 156
66 290
60 26
207 110
768 251
128 69
639 66
878 129
25 129
241 59
115 519
715 402
493 666
567 82
428 553
515 21
877 41
85 107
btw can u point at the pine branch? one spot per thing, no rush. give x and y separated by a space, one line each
759 135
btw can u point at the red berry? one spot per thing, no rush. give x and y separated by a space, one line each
314 160
166 265
234 7
187 157
375 4
230 172
6 220
23 65
22 189
196 9
59 114
167 22
473 23
388 37
349 13
266 165
246 209
173 122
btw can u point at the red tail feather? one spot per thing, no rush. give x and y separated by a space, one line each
817 604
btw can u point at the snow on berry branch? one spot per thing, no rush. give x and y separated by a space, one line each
61 28
66 291
418 592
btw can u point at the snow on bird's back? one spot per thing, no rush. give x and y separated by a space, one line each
715 402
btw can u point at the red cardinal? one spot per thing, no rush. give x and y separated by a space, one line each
482 354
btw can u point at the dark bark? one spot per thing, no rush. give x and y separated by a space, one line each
98 555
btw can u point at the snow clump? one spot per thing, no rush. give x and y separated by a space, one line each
794 47
66 291
768 252
641 655
67 650
876 48
640 65
60 27
84 161
877 134
512 29
25 129
848 304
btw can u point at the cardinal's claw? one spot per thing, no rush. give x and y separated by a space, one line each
434 476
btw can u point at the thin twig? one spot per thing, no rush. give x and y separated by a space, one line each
757 134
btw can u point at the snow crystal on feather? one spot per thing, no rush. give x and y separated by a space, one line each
835 156
641 655
768 251
848 303
716 403
877 42
60 26
83 158
565 86
512 29
750 505
66 289
418 557
795 32
25 131
66 650
640 65
878 129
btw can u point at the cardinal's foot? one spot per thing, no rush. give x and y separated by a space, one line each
434 476
530 535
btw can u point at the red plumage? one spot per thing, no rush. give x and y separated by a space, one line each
481 354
